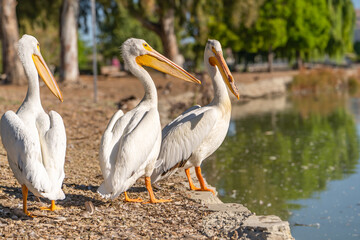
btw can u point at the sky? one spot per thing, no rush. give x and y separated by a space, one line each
356 3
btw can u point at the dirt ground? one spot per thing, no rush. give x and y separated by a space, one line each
85 122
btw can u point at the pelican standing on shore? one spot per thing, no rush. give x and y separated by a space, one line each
199 131
35 141
131 142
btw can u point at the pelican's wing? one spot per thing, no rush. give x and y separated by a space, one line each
113 131
136 146
111 136
24 153
53 146
184 137
178 119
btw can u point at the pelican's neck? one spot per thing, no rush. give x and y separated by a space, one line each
149 86
33 92
221 96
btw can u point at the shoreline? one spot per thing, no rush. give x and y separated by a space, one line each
233 220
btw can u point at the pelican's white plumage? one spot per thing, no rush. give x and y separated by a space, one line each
34 140
131 141
199 131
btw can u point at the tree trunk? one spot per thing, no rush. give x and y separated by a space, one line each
299 62
164 28
270 59
168 37
12 66
246 63
69 67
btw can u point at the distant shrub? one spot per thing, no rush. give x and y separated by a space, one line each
323 80
353 84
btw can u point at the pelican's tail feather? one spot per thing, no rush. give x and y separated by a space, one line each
104 191
59 195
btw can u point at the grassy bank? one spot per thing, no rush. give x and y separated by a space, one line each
326 80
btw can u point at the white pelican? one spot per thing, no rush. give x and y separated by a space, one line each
34 140
131 142
199 131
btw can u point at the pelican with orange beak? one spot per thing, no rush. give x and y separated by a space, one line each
131 142
199 131
35 141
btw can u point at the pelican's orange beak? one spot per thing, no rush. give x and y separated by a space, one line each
157 61
46 75
219 61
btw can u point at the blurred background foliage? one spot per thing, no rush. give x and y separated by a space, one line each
116 25
41 19
297 30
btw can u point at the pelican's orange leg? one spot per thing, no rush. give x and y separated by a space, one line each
52 207
191 184
202 182
127 199
25 195
151 193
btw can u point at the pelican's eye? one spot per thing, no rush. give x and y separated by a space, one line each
38 46
146 46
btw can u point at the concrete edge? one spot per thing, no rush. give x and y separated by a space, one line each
235 221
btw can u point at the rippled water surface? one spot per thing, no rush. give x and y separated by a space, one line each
296 158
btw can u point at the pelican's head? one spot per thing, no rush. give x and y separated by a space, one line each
30 45
140 52
214 56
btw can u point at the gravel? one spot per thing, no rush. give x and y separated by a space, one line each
85 214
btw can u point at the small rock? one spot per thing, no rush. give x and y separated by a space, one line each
59 219
89 206
156 186
85 214
14 217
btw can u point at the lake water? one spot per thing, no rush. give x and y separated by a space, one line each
296 158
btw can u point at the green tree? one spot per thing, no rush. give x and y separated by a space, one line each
226 21
58 17
41 19
269 30
357 48
307 28
198 25
36 18
342 19
84 53
38 14
113 33
160 17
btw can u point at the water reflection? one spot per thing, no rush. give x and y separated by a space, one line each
269 159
